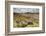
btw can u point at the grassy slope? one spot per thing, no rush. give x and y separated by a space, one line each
32 17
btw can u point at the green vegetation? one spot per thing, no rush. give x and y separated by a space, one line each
22 21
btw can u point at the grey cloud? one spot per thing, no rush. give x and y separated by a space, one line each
24 10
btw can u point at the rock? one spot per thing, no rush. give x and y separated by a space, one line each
23 22
30 23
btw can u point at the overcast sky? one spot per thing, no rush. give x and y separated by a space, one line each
24 10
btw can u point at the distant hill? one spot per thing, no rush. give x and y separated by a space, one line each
30 12
26 12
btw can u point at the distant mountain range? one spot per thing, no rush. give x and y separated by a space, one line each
26 12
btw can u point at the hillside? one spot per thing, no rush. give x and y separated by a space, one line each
26 19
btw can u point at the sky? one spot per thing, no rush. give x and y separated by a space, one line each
24 10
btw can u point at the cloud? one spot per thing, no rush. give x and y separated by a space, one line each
24 10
